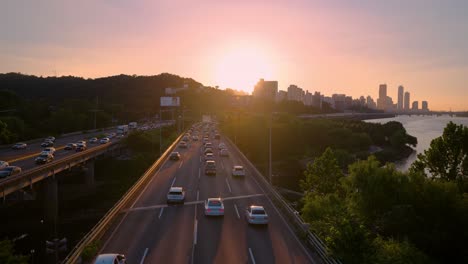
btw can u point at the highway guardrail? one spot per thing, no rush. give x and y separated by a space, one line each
292 215
100 228
31 176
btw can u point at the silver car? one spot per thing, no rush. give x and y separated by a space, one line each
257 215
214 207
176 195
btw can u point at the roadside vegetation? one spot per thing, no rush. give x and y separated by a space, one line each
295 142
376 214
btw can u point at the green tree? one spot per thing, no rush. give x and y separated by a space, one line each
7 255
5 135
447 156
395 252
323 175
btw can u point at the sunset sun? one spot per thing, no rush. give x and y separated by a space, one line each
241 67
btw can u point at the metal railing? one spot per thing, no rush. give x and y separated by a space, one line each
291 214
31 176
100 228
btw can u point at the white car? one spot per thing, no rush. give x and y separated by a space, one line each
183 144
176 195
83 142
214 207
110 259
257 215
104 140
238 171
221 146
50 150
195 138
3 164
93 140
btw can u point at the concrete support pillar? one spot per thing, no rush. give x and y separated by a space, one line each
89 173
51 203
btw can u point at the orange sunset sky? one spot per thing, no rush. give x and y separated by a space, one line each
329 46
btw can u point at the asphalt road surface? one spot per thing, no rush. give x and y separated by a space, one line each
153 232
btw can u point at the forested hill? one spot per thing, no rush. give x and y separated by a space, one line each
120 89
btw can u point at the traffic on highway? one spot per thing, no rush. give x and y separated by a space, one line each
203 207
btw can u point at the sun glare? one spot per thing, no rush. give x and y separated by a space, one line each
241 67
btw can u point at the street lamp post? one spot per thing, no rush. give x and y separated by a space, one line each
269 149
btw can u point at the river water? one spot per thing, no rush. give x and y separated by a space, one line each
425 128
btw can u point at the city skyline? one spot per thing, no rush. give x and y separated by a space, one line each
333 46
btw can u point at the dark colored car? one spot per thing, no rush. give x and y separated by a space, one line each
210 167
70 146
46 144
44 158
9 171
217 136
174 156
80 147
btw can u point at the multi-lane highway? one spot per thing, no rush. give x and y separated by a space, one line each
153 232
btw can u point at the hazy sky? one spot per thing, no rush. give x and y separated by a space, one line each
331 46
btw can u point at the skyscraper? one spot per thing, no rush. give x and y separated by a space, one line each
400 97
415 106
382 100
424 106
407 101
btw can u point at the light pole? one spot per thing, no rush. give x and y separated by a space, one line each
269 149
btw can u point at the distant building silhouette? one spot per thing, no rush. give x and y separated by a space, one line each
295 93
382 100
266 90
281 96
415 106
370 102
400 97
424 106
407 101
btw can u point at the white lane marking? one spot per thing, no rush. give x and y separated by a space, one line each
198 195
251 256
195 232
133 204
237 211
182 162
144 256
173 181
161 212
229 186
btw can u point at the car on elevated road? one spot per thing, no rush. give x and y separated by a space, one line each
47 143
183 144
214 207
9 171
44 158
93 140
110 259
176 195
70 146
19 145
256 215
104 140
80 147
50 150
3 164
